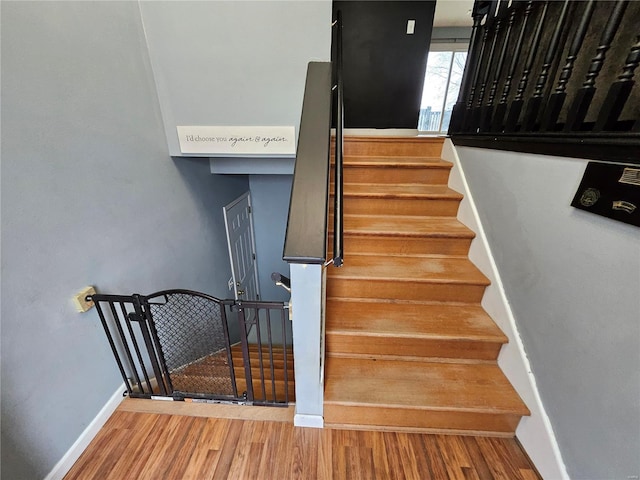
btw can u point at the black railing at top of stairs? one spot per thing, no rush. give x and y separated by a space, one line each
552 77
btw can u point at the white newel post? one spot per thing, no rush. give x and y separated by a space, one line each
306 300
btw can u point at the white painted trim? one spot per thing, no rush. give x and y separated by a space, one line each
313 421
66 462
534 432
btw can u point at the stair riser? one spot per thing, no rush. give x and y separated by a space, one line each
384 289
404 245
255 373
501 424
366 174
410 347
255 362
385 147
399 206
257 389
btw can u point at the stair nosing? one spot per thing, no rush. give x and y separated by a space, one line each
399 195
386 234
501 339
434 165
412 358
449 281
432 408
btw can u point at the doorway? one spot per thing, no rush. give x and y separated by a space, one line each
238 219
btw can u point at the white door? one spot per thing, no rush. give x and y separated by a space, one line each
242 248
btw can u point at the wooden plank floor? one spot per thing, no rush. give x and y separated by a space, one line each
140 445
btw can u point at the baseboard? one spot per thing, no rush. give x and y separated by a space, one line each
535 432
313 421
66 462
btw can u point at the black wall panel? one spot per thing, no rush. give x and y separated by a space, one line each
384 66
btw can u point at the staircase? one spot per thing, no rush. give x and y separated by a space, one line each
409 348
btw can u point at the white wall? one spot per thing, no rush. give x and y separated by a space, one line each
573 283
234 62
90 195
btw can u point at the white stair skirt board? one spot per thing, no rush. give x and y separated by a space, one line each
535 432
313 421
66 462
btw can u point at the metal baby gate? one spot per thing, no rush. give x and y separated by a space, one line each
180 344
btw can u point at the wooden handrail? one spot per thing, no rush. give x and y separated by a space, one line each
306 236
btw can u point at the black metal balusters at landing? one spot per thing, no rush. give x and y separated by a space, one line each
535 75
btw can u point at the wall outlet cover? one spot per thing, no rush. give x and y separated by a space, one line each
80 299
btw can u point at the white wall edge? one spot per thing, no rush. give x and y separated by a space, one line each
313 421
535 432
66 462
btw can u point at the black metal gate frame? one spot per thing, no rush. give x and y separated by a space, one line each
153 379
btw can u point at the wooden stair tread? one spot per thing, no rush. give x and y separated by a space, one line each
410 269
411 320
409 190
461 387
407 226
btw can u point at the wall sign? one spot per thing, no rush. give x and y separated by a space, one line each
612 191
237 141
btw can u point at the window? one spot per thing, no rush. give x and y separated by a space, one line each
441 85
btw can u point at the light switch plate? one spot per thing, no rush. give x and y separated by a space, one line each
411 27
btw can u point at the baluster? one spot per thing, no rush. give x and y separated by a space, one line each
487 110
556 101
619 91
498 22
501 108
583 98
535 103
518 102
476 73
480 10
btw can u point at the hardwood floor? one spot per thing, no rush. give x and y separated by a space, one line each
140 445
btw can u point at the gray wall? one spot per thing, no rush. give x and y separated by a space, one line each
233 62
270 200
89 196
573 280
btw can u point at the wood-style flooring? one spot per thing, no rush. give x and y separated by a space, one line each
141 445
